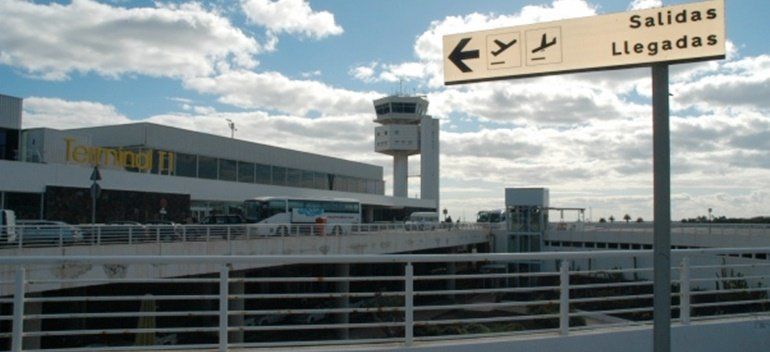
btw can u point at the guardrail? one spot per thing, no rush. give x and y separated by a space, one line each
100 234
720 229
334 300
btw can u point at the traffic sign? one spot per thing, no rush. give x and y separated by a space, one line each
95 175
674 34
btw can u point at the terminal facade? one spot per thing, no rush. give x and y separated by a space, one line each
146 167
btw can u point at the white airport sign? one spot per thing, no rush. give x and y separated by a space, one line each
673 34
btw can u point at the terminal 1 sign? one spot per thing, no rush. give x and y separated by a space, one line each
675 34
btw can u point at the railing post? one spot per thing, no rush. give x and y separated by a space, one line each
408 304
61 237
224 275
684 291
184 233
17 338
130 235
564 298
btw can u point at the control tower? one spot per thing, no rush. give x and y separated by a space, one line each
407 130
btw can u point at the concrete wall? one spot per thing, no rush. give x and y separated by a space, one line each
748 335
374 243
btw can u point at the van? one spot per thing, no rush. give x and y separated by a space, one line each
422 220
7 226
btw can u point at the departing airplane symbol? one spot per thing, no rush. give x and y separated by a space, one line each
544 44
502 46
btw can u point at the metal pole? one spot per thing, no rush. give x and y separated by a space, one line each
224 275
17 336
661 165
409 305
564 298
93 207
684 291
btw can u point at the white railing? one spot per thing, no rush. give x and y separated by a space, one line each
100 234
334 300
676 228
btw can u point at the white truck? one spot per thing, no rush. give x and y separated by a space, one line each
7 226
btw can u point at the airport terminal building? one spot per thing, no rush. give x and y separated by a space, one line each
45 173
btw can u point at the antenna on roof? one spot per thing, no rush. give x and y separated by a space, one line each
231 124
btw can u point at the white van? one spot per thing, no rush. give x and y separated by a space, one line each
7 226
422 220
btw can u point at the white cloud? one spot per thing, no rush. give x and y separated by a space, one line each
644 4
291 16
63 114
274 91
52 41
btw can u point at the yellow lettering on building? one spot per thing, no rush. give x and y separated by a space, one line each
118 157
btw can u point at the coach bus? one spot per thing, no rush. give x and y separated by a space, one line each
283 215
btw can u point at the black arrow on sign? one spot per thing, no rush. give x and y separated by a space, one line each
458 55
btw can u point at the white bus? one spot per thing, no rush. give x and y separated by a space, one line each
287 214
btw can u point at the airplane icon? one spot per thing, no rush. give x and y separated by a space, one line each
502 46
544 44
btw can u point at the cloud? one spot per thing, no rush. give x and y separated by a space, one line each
292 17
52 41
427 47
63 114
274 91
644 4
742 83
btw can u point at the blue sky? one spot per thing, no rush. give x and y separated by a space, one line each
291 71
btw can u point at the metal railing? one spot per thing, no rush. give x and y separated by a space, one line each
621 227
333 300
100 234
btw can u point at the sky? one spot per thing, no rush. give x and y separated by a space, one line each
303 74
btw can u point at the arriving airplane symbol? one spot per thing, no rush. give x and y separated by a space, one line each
502 46
544 44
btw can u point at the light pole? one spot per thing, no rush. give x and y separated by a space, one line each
231 124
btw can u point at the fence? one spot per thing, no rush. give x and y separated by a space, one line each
36 236
333 300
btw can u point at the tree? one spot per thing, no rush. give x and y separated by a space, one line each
627 218
639 219
612 218
602 220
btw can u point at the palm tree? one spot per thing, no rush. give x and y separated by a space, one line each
627 218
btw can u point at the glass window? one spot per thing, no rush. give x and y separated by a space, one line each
307 179
245 172
279 175
293 178
207 167
382 109
227 170
26 205
263 174
186 165
321 180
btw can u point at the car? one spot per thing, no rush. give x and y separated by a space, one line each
422 220
125 231
7 226
39 232
167 230
227 224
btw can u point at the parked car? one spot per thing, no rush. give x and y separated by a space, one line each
7 226
227 223
47 232
422 220
168 230
123 230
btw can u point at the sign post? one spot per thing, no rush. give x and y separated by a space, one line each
95 192
652 38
